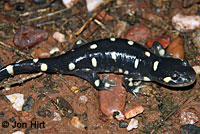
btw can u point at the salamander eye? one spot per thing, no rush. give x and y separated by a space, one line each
174 76
185 63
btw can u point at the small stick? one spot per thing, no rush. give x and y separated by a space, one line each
20 81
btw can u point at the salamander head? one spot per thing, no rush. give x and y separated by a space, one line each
175 73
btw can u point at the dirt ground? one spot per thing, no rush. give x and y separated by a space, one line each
53 100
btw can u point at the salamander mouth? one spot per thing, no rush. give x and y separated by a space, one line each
191 81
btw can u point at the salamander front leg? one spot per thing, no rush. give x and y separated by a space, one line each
92 77
132 83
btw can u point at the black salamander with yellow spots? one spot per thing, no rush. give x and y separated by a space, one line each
113 55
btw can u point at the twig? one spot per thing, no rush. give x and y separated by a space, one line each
92 17
10 48
20 81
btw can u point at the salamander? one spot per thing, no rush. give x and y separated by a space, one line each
114 55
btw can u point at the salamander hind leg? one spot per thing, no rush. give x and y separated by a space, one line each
92 77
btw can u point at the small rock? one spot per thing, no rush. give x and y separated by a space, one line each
132 124
120 28
123 124
103 15
196 69
93 4
75 89
77 123
57 117
54 50
112 101
17 100
59 37
190 129
83 99
27 37
42 53
176 48
39 1
138 33
18 132
69 3
118 115
163 40
186 23
133 111
188 117
28 104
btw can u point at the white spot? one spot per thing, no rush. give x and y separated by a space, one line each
130 42
155 65
94 62
136 63
126 72
93 46
130 79
43 67
132 124
167 79
35 60
120 70
71 66
146 78
113 55
130 84
112 39
10 69
107 84
97 83
162 52
147 54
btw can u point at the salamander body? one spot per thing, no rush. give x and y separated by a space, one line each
113 55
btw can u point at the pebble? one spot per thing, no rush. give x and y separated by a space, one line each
138 33
123 124
17 100
18 132
28 104
132 124
77 123
163 40
176 48
112 101
57 117
196 69
27 37
188 117
190 129
42 53
103 15
120 28
118 115
69 3
54 50
93 4
186 23
83 99
59 37
133 111
39 1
